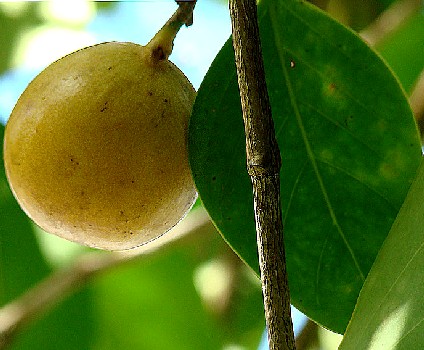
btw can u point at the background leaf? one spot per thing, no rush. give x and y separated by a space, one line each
21 263
390 313
22 266
12 27
349 147
68 326
155 305
152 303
406 45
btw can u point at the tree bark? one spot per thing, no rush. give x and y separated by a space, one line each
263 165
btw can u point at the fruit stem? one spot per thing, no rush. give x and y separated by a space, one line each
162 43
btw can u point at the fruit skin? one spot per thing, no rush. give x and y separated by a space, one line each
95 148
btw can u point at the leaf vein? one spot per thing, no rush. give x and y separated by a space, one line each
293 191
383 299
299 119
372 189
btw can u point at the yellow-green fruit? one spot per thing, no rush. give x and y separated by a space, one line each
95 148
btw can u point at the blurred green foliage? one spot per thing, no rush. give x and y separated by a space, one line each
404 50
11 28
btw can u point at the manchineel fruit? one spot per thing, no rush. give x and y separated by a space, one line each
95 149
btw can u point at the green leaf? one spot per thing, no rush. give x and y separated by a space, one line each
21 263
389 314
349 146
12 28
153 304
403 50
21 267
153 307
69 326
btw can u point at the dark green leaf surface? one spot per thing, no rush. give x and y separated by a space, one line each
349 147
389 314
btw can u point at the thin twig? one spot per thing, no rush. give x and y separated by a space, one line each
56 287
263 164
